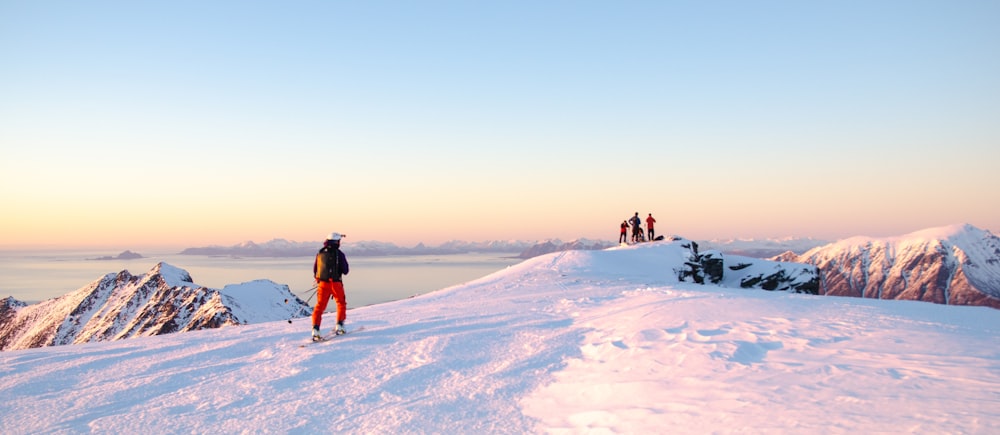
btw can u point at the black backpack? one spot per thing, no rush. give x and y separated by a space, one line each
328 264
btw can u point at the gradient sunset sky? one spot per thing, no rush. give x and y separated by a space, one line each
190 123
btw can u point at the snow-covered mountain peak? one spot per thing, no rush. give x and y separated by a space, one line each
953 233
10 303
172 275
955 264
163 300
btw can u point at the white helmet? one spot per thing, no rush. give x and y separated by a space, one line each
334 236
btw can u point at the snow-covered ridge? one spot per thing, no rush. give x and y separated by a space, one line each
161 301
955 264
572 342
166 299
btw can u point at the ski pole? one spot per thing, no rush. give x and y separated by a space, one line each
315 289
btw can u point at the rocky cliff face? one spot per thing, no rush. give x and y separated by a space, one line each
955 265
161 301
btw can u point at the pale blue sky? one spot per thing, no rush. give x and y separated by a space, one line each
191 123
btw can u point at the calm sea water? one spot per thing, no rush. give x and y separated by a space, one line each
33 276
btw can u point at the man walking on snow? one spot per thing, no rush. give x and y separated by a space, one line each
329 268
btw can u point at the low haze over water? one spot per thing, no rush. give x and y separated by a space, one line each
33 276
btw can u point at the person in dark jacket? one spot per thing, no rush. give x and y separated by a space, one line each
636 227
329 268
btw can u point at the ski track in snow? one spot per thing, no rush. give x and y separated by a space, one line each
578 342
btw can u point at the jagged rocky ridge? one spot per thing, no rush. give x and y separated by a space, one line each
955 265
161 301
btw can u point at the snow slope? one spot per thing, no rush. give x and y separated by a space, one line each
571 342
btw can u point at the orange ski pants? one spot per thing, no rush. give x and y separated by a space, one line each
326 290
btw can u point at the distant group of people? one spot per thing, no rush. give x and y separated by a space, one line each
636 224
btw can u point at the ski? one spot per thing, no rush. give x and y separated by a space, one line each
331 335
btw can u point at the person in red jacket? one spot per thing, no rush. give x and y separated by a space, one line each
328 268
624 234
649 226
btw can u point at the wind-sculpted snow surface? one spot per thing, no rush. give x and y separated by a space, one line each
572 342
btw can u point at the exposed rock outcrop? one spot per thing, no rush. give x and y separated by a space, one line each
712 267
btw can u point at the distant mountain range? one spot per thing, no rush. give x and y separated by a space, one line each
285 248
550 246
524 249
123 305
763 248
955 265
